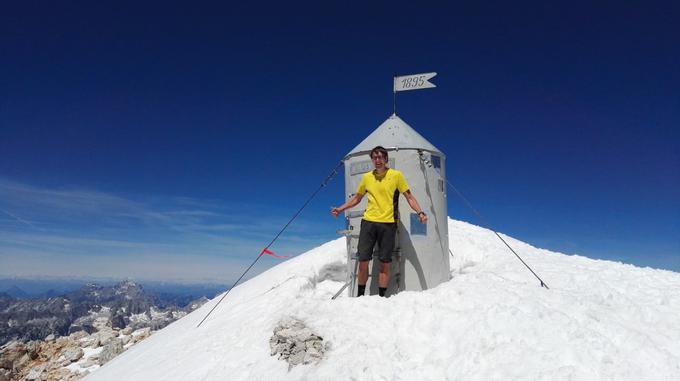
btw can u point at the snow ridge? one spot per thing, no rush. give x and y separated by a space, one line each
492 320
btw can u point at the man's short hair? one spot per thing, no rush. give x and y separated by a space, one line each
379 150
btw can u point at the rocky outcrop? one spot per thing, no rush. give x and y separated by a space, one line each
293 342
111 350
65 358
72 354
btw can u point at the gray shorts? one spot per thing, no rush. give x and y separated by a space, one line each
383 234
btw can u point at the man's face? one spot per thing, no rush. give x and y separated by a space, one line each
378 161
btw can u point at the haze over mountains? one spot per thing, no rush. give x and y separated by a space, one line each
40 287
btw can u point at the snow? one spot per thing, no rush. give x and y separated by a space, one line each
492 320
89 352
158 315
78 366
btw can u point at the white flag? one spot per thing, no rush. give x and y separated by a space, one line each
413 82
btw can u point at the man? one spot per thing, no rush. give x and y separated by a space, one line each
383 186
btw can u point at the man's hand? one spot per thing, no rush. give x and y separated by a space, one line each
336 210
423 218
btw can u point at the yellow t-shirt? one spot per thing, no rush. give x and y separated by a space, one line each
382 194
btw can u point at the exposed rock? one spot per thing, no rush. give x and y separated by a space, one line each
78 326
50 337
32 348
21 362
11 353
73 354
90 361
62 374
49 351
75 336
104 336
295 343
141 334
296 356
62 341
111 350
36 373
91 341
124 339
45 360
5 363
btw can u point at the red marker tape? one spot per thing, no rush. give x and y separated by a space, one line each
266 251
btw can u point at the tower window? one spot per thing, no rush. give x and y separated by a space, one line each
416 227
436 161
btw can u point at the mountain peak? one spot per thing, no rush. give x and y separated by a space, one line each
16 292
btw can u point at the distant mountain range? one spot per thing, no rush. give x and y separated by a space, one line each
122 305
16 292
31 288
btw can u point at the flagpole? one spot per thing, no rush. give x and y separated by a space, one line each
394 90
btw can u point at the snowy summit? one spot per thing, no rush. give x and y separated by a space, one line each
490 321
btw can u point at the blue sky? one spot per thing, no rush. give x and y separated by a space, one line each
168 141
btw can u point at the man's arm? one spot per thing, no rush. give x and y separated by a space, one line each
413 203
352 202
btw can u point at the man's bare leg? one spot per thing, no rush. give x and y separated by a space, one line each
384 277
363 272
362 275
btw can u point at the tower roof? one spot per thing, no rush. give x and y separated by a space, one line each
394 133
